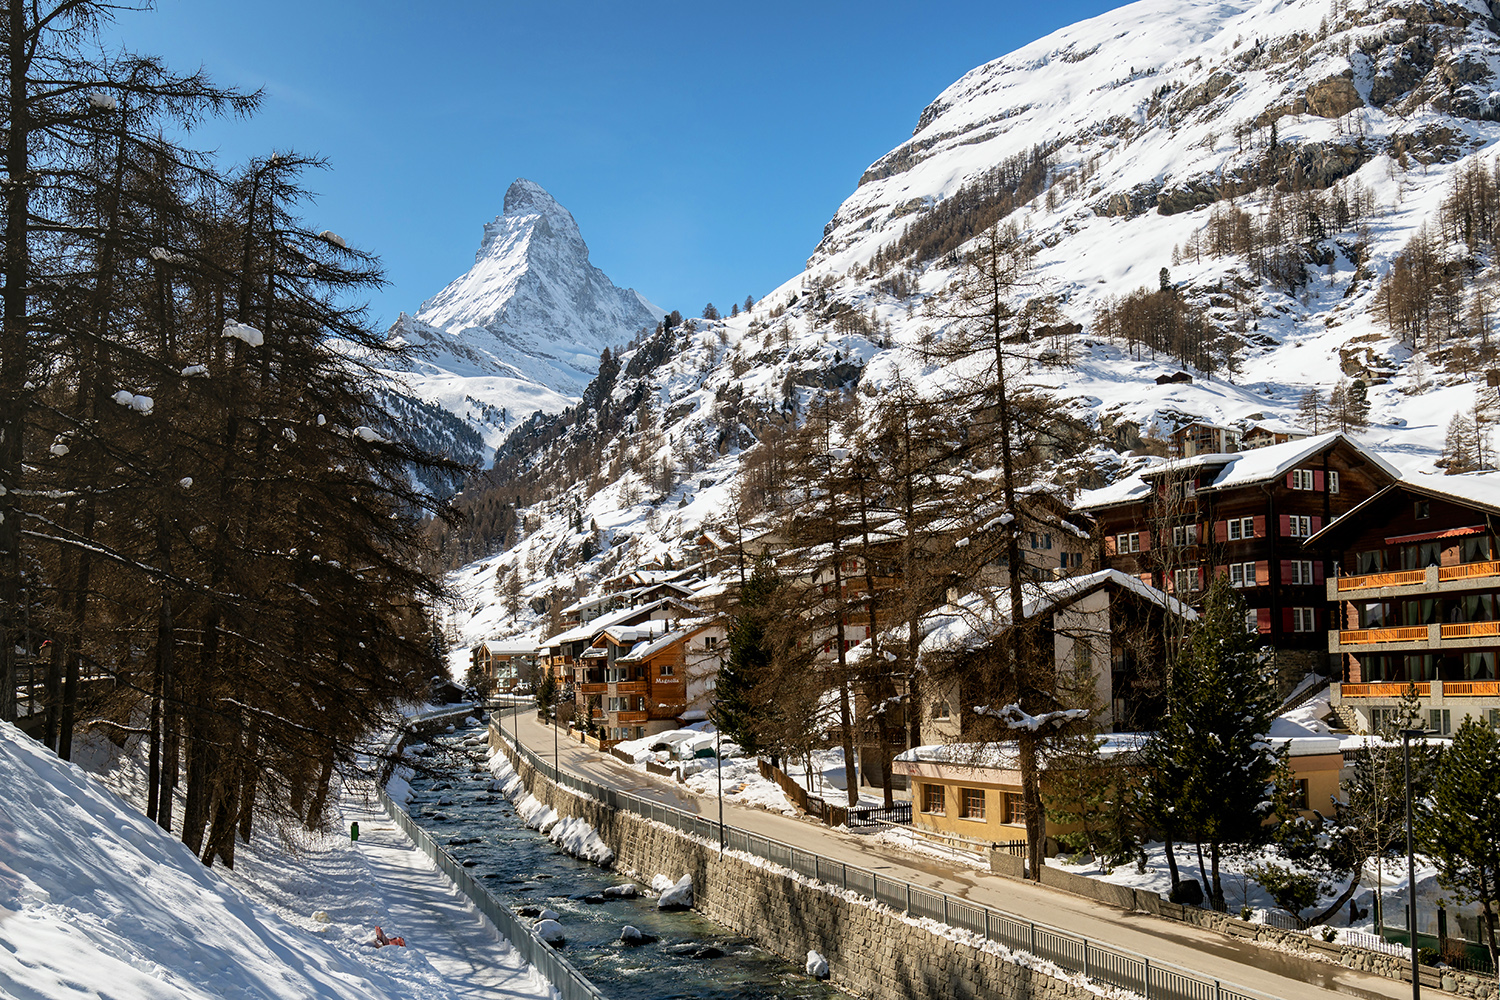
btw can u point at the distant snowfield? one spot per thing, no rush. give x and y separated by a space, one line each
96 901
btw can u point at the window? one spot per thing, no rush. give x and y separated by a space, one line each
1185 534
1015 809
1333 482
1299 794
1130 542
710 642
1302 479
1242 574
973 803
1184 580
1304 620
1300 526
942 710
1033 540
1077 560
1252 621
1439 720
932 799
665 670
1302 571
619 704
1241 527
1047 541
1422 510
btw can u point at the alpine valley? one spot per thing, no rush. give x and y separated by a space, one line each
1271 196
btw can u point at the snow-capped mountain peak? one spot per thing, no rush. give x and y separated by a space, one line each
533 306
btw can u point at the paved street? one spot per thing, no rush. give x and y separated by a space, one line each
1209 954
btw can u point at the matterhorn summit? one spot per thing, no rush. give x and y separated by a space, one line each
532 307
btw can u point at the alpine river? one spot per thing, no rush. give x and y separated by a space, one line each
690 957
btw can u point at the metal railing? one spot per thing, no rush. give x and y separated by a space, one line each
1071 952
567 980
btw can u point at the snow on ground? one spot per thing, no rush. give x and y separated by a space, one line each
573 835
95 900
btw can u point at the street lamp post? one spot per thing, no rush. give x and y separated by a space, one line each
719 761
1407 735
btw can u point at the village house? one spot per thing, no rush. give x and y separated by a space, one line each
1246 516
1264 433
1203 438
503 665
1416 591
651 677
1108 635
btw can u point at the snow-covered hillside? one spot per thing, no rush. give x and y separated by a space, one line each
521 330
1125 152
97 901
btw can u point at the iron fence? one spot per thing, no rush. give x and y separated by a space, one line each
567 980
879 815
1070 952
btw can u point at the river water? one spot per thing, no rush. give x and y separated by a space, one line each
691 957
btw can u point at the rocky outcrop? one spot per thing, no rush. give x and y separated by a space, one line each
1334 97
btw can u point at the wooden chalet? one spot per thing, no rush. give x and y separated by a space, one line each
1245 516
1417 588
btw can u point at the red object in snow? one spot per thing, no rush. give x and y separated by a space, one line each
381 940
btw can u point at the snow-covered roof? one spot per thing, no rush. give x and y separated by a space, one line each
647 646
589 630
1278 427
1242 468
977 619
1002 756
1475 489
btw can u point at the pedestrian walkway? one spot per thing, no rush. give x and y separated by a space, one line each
1242 963
417 902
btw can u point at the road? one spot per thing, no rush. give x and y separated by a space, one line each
1241 963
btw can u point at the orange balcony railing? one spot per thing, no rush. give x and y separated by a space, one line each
625 717
1385 690
1467 571
593 688
1370 581
1369 636
629 687
1470 630
1471 689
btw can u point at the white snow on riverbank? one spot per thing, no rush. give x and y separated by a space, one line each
573 835
95 900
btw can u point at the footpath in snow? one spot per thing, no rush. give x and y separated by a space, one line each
97 901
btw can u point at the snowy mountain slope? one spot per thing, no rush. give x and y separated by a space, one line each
97 901
521 330
1119 147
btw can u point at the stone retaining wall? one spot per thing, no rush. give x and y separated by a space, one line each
871 950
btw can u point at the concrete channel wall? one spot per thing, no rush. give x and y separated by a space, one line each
871 950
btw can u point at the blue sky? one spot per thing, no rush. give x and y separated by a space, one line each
701 147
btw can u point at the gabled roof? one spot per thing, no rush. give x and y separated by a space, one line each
975 620
647 647
589 630
1479 490
1244 468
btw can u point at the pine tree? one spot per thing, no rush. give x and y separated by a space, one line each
1458 455
1460 821
1221 706
740 709
1311 409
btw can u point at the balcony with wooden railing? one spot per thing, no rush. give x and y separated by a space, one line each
625 718
1471 689
1371 636
1384 689
593 688
628 687
1417 577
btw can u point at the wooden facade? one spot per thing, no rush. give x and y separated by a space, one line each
1417 589
1248 517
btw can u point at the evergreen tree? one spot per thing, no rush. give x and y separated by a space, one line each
1459 821
1221 706
1311 409
740 709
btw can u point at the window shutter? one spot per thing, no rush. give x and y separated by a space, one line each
1262 573
1289 479
1145 578
1318 479
1317 524
1199 572
1221 531
1318 573
1286 525
1286 571
1260 526
1286 619
1221 571
1263 620
1109 545
1145 541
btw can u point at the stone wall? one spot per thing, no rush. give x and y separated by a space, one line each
871 951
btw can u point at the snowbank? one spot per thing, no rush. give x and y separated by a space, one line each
575 836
